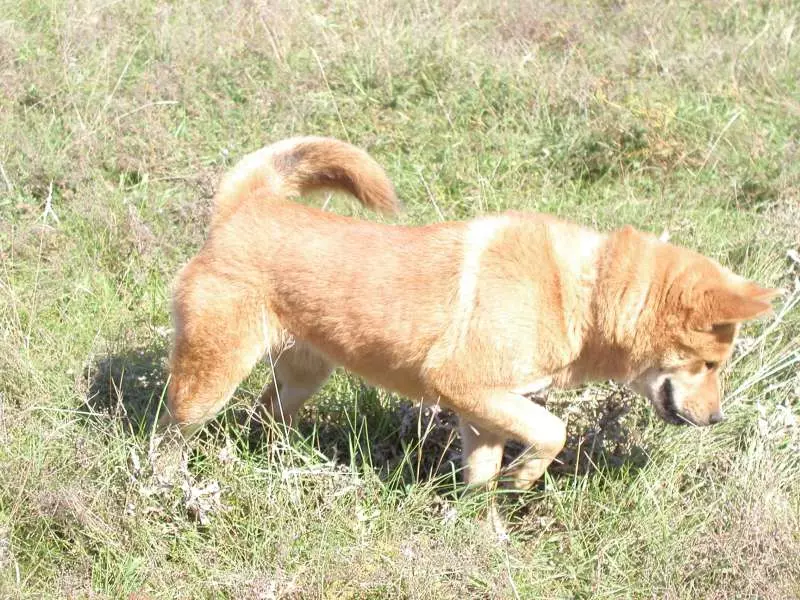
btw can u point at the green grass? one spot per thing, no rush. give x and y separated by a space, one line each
116 122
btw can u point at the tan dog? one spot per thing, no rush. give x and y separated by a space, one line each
474 315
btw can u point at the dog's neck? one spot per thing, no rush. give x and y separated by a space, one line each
617 341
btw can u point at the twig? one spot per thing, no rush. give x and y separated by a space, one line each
441 103
430 196
145 106
741 53
510 576
330 91
273 42
110 97
730 122
6 179
2 418
48 206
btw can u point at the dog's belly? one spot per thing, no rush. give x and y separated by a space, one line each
389 363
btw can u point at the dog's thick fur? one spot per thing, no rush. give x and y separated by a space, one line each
474 315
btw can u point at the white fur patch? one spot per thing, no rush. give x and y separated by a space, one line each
579 263
479 235
581 257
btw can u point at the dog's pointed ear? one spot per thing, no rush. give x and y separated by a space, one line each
726 304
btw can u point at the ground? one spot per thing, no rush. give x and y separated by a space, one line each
116 122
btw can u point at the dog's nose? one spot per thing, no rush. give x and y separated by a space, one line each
716 417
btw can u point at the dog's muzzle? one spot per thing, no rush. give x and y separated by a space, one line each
670 409
671 414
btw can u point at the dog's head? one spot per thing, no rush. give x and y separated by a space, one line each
701 318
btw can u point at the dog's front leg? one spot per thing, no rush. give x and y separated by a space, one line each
548 437
482 456
482 453
516 417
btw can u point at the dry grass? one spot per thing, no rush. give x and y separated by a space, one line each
116 120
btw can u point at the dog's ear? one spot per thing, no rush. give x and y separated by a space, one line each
727 304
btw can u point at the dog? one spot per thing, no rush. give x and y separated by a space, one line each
476 316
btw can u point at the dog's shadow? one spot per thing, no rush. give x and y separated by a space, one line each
127 388
403 443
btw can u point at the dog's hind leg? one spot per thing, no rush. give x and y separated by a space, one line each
220 334
298 372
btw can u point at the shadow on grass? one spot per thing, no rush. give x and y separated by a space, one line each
413 444
128 387
367 428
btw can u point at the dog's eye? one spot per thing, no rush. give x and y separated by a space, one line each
711 365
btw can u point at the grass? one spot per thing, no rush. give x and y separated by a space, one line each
116 122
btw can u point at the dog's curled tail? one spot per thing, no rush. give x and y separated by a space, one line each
300 165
